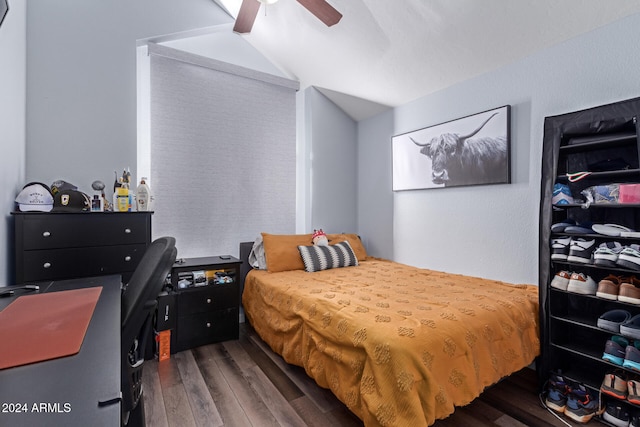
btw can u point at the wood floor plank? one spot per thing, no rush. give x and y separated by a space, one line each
228 406
255 409
204 409
153 402
176 402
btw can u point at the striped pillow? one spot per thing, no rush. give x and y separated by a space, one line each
318 258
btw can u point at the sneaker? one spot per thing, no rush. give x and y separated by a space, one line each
606 254
615 384
617 414
613 319
609 287
633 391
631 328
615 350
632 357
561 195
635 420
560 248
629 290
557 391
629 257
580 283
561 280
580 250
581 404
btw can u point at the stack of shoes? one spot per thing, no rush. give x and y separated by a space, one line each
629 290
580 283
622 352
613 319
570 398
617 385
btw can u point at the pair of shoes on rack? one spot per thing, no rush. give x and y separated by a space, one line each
618 414
572 249
578 283
625 289
620 385
622 352
614 254
571 398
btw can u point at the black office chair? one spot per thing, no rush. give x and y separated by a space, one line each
139 300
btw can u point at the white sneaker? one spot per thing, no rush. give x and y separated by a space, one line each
581 250
560 248
561 280
580 283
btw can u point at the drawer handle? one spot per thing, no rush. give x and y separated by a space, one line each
208 324
208 300
46 234
127 258
127 231
46 265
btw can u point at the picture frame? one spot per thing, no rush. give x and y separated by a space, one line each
471 150
4 8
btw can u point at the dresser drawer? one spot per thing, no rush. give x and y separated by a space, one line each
204 328
83 229
208 298
80 262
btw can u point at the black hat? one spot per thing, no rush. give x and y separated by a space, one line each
71 201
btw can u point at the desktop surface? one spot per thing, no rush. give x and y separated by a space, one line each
81 389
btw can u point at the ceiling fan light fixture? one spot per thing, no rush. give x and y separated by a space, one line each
267 1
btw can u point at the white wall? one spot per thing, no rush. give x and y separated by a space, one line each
81 79
13 51
492 231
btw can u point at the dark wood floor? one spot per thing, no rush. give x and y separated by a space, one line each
243 383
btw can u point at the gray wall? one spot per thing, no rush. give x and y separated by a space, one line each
13 51
81 79
332 142
492 231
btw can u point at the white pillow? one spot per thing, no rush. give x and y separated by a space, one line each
257 258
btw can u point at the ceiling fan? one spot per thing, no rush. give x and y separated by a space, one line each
249 10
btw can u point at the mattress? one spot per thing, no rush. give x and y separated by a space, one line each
398 345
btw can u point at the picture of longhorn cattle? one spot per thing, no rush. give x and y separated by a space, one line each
473 150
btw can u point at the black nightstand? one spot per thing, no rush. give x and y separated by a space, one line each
207 300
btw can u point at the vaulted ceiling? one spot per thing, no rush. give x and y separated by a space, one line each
392 52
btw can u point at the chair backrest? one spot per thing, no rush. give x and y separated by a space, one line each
138 304
148 279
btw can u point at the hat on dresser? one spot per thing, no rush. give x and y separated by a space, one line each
71 201
35 196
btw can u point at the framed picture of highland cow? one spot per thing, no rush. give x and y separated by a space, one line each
472 150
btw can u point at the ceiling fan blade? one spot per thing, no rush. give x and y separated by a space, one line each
323 11
246 16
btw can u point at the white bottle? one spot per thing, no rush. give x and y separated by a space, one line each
143 196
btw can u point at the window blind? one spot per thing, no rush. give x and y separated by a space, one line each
223 152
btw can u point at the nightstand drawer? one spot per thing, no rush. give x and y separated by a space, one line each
208 298
82 230
80 262
204 328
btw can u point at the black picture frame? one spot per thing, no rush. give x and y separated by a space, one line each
4 8
471 150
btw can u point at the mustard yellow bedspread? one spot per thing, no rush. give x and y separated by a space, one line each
400 346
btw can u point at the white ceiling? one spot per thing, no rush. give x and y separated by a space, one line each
390 52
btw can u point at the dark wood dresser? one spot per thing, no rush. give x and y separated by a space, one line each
56 245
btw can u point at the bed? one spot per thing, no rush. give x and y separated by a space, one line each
398 345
